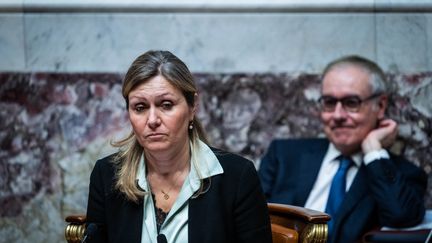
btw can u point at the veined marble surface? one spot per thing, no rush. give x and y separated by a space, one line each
61 68
214 42
12 46
54 126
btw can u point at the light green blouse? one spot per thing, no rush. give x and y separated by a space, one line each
204 164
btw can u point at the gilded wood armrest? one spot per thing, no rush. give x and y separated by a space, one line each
310 225
75 229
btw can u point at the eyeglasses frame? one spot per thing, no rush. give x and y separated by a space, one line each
361 102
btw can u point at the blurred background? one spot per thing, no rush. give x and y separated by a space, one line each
256 63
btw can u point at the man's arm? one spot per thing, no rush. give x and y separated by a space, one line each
398 188
397 185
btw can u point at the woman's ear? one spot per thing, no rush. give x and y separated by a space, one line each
194 107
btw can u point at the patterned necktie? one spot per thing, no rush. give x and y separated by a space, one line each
337 190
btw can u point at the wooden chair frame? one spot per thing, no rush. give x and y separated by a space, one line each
308 225
290 224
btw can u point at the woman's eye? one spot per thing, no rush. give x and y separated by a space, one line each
166 105
139 107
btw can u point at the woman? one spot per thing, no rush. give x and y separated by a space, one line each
166 184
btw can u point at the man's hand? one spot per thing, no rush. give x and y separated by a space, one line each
381 137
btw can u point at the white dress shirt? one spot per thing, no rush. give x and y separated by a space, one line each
318 196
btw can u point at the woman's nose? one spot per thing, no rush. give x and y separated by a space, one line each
153 118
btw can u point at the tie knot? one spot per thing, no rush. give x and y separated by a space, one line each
345 162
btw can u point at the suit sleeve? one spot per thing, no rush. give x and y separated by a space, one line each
96 204
268 170
398 188
252 222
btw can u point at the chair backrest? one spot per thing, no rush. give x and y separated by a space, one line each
292 224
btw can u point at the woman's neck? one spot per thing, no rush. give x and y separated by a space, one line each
168 163
166 173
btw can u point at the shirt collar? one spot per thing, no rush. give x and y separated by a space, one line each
141 175
333 153
204 165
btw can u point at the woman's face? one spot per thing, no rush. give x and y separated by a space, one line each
160 116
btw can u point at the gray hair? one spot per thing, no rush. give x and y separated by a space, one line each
377 80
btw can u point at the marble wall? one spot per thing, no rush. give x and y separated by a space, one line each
252 42
55 125
256 65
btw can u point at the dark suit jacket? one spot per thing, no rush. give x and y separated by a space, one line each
388 192
234 208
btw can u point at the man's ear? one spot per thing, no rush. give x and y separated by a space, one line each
382 106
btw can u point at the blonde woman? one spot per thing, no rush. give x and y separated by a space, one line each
166 184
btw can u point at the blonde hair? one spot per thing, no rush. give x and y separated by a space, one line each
146 66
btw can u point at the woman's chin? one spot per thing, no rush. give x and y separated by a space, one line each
156 147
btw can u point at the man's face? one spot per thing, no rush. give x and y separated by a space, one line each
347 129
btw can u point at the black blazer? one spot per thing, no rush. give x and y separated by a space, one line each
234 208
383 193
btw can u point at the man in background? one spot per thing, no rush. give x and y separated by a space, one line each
350 175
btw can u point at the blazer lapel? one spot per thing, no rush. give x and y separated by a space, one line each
357 191
310 164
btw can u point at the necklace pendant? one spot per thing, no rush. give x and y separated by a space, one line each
165 195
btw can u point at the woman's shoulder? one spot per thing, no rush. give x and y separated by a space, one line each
107 163
231 160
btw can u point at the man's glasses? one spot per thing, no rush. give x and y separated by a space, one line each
349 103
